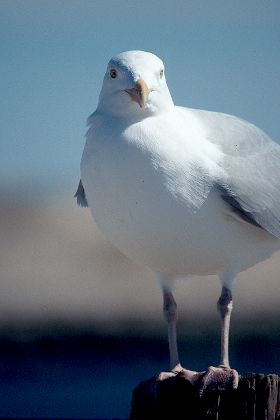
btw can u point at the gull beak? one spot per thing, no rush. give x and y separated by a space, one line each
139 93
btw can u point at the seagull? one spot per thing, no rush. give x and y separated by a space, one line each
182 191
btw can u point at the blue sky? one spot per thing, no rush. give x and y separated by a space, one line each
219 55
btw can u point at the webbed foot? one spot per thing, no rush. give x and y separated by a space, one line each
214 378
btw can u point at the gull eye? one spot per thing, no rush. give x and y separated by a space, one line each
113 73
161 74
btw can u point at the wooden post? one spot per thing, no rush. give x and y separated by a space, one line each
256 398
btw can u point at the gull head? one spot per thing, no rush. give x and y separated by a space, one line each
134 85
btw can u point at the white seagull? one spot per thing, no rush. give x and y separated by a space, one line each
182 191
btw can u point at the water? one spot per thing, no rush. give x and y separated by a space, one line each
93 376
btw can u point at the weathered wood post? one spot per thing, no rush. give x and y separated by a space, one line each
256 398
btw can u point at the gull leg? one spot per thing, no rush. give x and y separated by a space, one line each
171 315
224 306
221 377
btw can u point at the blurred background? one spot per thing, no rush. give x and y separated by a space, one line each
80 324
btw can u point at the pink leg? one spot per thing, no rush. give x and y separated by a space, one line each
224 305
221 377
171 315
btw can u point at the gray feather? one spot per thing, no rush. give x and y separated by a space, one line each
251 165
81 196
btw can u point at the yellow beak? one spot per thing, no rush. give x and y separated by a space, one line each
139 93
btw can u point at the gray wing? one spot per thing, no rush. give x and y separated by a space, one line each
251 164
81 195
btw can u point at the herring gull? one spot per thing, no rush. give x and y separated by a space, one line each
182 191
